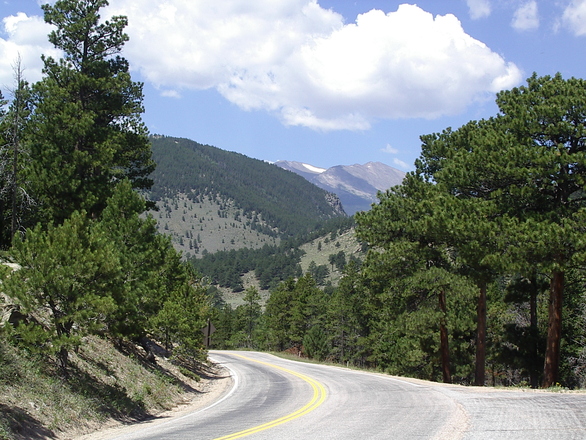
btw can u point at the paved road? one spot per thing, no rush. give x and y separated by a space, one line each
273 398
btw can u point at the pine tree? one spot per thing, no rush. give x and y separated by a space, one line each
252 312
522 173
86 132
66 284
411 278
16 201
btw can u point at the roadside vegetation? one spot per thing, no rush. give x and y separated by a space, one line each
105 384
470 272
88 282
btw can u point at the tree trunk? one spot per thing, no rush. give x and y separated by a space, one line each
63 362
481 337
444 344
554 330
534 370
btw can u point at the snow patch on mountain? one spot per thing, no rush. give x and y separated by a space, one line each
314 169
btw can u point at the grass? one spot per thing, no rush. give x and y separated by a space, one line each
185 220
105 383
319 251
320 254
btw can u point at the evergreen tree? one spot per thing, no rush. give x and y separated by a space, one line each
250 314
347 319
410 274
525 168
547 119
15 201
6 176
292 309
279 312
66 282
86 132
182 314
147 259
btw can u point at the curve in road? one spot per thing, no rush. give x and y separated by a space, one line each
319 395
276 399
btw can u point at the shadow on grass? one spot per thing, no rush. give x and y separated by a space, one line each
112 400
201 369
22 425
131 350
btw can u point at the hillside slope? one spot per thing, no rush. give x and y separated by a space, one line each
211 199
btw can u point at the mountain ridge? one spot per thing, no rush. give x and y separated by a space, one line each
211 199
355 185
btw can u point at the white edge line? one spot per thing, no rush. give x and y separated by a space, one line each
370 373
217 402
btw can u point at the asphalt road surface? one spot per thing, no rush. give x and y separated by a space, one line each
273 398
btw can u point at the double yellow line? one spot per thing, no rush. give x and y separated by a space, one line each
319 396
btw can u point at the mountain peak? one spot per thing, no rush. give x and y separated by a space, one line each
356 185
314 169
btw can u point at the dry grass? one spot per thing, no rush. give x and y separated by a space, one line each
185 220
105 384
346 242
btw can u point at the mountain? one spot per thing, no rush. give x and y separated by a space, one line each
355 185
210 199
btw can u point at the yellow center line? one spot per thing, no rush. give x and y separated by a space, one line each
319 396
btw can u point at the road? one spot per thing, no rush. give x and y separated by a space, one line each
273 398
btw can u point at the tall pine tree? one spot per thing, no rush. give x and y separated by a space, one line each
86 132
527 167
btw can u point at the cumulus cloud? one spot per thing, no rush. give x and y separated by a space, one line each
170 94
304 64
574 17
25 38
478 8
526 17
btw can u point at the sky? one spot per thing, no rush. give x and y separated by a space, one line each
324 82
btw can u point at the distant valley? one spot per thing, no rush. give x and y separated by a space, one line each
355 185
245 222
212 200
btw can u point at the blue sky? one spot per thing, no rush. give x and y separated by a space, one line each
327 82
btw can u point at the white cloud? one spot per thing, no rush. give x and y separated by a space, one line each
401 163
171 94
574 17
478 8
526 17
389 149
26 37
302 62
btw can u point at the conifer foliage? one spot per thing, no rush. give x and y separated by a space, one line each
507 196
85 128
475 265
90 262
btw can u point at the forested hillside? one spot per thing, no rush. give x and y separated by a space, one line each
210 224
272 264
286 204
